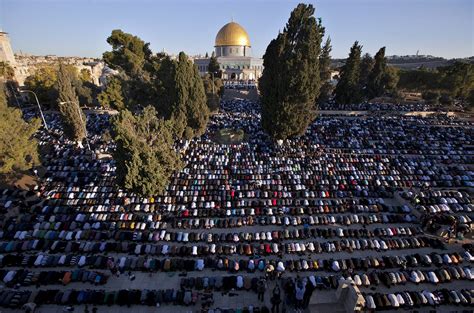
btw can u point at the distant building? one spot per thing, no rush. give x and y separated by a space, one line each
26 65
6 52
233 52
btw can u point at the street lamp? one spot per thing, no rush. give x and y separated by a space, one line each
213 77
82 121
41 111
213 92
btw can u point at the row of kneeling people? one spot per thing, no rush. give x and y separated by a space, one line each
121 297
262 248
25 277
224 236
410 299
140 222
251 264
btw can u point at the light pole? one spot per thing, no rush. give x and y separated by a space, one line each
82 121
41 111
213 92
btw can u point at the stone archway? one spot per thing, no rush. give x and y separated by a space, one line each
233 76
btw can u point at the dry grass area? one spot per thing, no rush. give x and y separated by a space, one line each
228 136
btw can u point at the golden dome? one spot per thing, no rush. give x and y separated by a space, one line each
232 34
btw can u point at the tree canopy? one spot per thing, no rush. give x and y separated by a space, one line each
214 67
366 66
214 91
290 83
68 104
382 78
129 53
325 72
183 98
348 87
18 147
111 97
145 155
366 78
6 71
455 80
44 80
138 69
85 75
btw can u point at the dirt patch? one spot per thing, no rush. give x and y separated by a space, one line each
228 136
23 181
251 94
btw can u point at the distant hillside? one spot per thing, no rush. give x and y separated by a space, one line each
412 61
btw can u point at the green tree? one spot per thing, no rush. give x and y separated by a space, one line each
43 82
325 72
366 66
470 100
290 82
214 91
145 155
348 88
431 97
418 80
18 148
68 104
377 80
111 97
183 98
214 67
85 75
137 66
446 99
457 79
391 80
129 53
6 71
87 93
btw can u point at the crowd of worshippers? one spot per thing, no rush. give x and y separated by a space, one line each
240 84
260 217
381 106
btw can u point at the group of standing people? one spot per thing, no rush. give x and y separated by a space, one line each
293 293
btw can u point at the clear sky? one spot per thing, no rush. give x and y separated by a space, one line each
80 27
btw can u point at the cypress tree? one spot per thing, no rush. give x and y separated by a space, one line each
68 103
214 67
376 79
290 82
325 72
183 96
214 91
366 65
348 89
197 109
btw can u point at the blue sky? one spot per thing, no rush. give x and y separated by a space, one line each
80 28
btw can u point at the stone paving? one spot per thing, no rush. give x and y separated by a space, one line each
238 299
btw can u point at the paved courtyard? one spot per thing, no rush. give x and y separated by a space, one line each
333 204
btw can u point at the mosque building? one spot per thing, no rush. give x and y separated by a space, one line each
233 52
